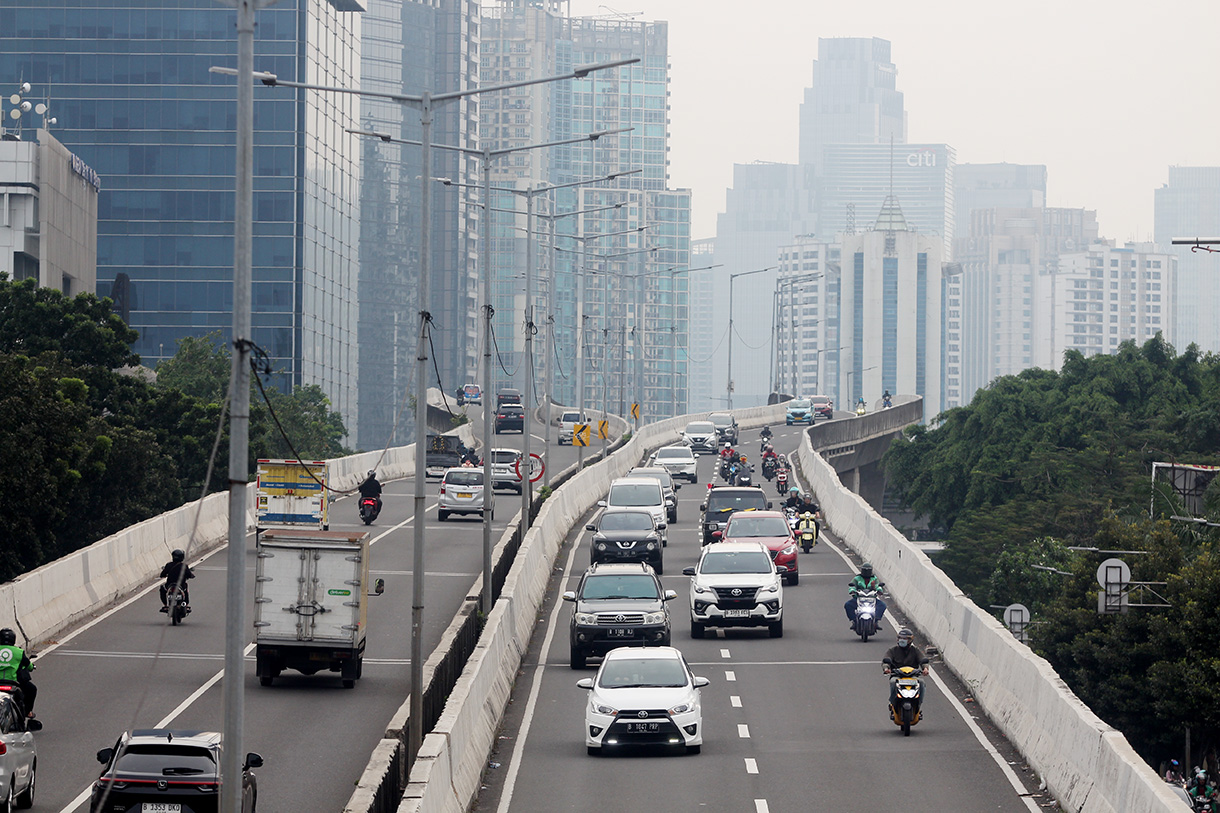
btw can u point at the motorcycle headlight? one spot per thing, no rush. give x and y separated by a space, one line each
654 618
586 619
788 551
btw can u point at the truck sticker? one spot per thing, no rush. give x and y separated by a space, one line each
338 592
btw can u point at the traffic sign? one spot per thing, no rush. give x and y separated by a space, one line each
1016 618
603 429
581 434
635 411
537 467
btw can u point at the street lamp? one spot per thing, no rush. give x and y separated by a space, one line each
732 277
821 387
425 102
790 283
851 394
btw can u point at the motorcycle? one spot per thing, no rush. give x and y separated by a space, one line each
866 614
726 466
791 516
861 409
370 507
886 403
742 476
781 481
808 537
770 466
906 708
765 434
175 599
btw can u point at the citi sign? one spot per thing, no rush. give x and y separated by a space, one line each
923 158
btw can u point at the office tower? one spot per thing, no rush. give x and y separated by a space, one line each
135 101
410 46
1102 296
704 331
854 98
807 281
1188 207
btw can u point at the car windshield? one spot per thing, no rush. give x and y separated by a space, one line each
636 673
799 405
700 428
619 585
822 400
166 760
570 417
635 494
735 502
626 521
736 561
722 420
659 474
746 525
674 453
503 456
470 477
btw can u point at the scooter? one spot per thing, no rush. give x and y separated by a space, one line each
781 481
907 706
808 537
770 466
743 475
370 507
175 599
866 614
861 410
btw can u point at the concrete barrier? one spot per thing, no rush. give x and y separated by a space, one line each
1088 766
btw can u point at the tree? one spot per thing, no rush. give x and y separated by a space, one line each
34 320
200 368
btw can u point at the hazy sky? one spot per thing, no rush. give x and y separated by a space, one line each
1106 93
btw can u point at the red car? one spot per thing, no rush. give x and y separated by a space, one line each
823 407
771 529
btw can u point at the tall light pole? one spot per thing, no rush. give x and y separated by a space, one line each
821 379
851 394
425 102
732 277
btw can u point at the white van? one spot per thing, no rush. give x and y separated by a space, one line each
640 492
567 425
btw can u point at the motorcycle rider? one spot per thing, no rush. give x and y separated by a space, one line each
865 581
1173 774
15 668
175 573
794 499
1201 788
887 400
905 653
371 488
807 505
766 433
807 522
861 407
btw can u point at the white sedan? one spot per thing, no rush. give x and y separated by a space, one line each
680 461
643 696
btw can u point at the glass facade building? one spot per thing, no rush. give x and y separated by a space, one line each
1188 207
130 87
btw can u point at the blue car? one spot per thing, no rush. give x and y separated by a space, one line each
799 412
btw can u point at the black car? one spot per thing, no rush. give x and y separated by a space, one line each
617 605
174 770
508 396
510 417
723 501
626 535
726 427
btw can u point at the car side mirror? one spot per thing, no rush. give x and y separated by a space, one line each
33 725
661 526
700 682
253 760
688 571
781 569
585 683
703 507
591 528
670 595
104 755
717 535
569 596
601 503
677 486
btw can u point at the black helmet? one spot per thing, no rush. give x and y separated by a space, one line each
178 556
866 570
7 637
905 636
372 473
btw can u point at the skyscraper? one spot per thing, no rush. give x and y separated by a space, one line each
135 101
1189 207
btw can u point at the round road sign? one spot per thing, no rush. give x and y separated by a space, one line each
537 467
1113 572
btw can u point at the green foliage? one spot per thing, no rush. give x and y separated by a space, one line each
200 369
542 493
82 328
315 430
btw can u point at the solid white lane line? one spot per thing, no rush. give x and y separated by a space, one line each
514 763
735 700
786 663
729 675
760 806
724 653
743 731
751 765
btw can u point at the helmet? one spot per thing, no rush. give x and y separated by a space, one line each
7 637
372 473
866 570
178 555
728 445
905 636
794 490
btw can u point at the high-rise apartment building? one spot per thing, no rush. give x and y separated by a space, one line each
410 46
1188 207
134 100
806 284
854 98
1102 296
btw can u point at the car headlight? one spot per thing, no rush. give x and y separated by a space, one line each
601 708
601 546
698 588
773 587
586 619
654 618
788 551
713 526
651 546
682 708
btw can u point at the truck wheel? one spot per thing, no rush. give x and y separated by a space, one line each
265 680
349 683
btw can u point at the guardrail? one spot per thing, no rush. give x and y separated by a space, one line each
1088 766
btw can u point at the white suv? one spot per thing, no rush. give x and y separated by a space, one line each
504 469
736 584
462 492
680 461
641 492
567 425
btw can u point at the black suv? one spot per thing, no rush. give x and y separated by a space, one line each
508 396
510 416
617 605
170 769
723 501
726 427
626 535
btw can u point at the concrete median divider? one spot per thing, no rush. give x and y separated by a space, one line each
1088 766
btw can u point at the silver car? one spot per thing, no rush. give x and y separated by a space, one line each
700 436
18 756
504 469
462 492
679 461
567 426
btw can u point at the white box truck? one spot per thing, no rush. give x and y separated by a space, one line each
311 591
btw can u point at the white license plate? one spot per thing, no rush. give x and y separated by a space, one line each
160 807
462 496
643 727
736 613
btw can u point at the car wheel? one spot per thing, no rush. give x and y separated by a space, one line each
10 798
673 518
25 799
776 628
659 568
577 658
694 749
794 578
593 750
442 515
696 629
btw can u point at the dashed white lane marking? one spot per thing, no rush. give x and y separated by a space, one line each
760 806
730 675
724 653
751 765
736 701
743 731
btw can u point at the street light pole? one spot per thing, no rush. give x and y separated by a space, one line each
732 278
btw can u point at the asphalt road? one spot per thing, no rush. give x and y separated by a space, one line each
128 669
792 724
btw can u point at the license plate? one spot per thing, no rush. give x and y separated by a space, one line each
624 633
462 496
160 807
736 613
319 656
643 727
